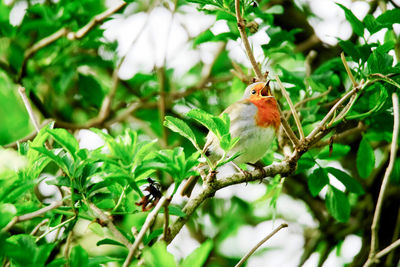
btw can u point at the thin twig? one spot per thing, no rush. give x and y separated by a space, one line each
340 137
346 66
106 219
166 218
31 215
65 32
385 182
67 244
265 239
302 102
161 104
245 40
51 229
292 108
388 249
37 227
22 92
331 112
95 21
149 221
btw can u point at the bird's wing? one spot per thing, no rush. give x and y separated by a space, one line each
239 105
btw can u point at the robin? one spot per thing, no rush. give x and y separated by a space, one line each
255 120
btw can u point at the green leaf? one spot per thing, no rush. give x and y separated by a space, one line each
79 257
349 182
356 24
65 139
57 159
205 119
175 210
389 18
158 256
203 37
199 256
337 204
365 158
108 241
350 49
180 127
317 180
96 228
379 63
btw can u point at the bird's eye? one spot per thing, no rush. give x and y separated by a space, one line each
253 92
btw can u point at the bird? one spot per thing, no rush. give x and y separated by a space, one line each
255 119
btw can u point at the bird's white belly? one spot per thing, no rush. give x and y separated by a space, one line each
253 144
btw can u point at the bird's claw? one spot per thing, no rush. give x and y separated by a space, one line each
246 174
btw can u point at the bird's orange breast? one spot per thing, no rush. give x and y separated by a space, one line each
268 113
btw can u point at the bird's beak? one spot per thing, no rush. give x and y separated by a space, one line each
266 90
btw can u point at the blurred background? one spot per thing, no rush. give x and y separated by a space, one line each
191 51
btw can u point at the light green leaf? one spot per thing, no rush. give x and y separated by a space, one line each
337 204
205 119
199 256
317 180
180 127
57 159
349 182
66 140
79 257
158 256
365 158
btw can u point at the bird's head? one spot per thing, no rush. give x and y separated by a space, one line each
258 91
260 95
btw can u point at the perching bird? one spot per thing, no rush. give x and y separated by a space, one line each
255 119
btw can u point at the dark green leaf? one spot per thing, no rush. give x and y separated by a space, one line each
349 182
389 18
108 241
379 63
317 180
356 24
365 158
337 204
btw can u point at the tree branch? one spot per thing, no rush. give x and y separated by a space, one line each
149 221
31 215
106 219
276 230
372 257
245 40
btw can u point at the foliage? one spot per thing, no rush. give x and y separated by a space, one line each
153 124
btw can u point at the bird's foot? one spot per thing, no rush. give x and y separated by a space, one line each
246 174
259 166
